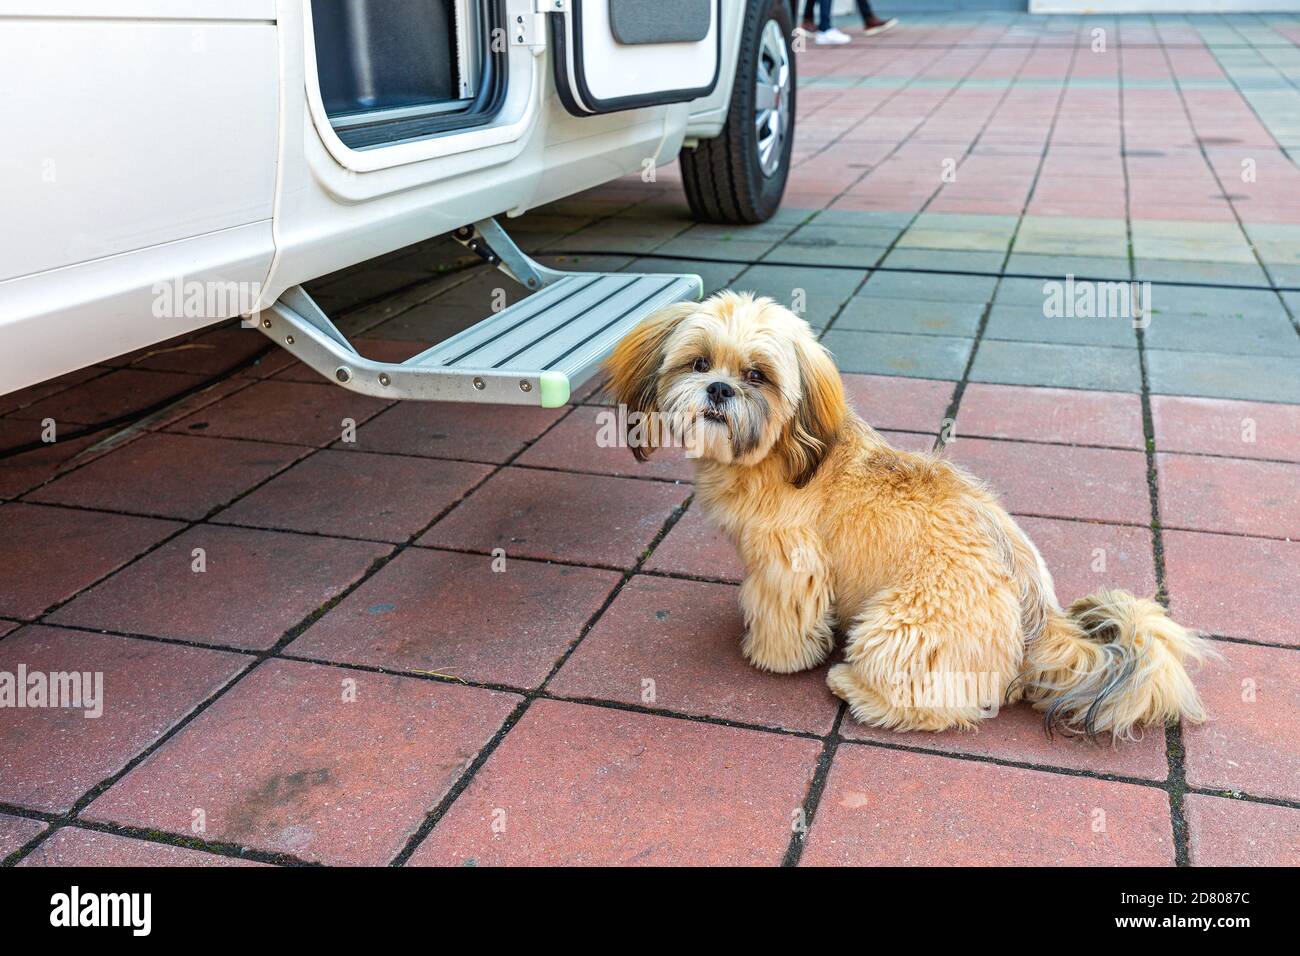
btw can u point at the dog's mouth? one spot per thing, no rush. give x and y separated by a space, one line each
712 415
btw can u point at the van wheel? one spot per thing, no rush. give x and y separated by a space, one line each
739 177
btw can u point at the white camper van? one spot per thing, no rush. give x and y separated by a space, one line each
258 144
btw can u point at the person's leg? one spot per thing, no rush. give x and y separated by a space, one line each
809 13
826 32
871 23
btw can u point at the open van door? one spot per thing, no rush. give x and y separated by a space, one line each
612 55
418 117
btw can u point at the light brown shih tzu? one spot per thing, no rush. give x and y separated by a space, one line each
946 606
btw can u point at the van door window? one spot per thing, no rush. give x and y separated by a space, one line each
396 70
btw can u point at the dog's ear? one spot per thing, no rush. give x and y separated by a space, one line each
633 371
820 415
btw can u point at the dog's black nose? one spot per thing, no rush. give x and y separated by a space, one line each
719 392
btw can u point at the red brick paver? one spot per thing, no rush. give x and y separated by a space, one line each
491 433
587 519
894 808
271 364
49 554
206 354
257 584
15 832
1084 557
74 846
288 412
695 548
675 645
1237 833
192 403
319 762
1253 698
54 755
121 392
172 476
1017 734
582 442
910 404
1233 429
1099 484
910 441
1235 586
23 471
1068 416
14 401
378 497
1229 494
573 784
453 614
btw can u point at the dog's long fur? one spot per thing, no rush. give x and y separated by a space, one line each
929 576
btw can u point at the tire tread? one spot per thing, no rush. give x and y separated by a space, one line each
718 175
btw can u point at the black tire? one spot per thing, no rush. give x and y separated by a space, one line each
724 177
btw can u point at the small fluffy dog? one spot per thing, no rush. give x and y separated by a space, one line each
937 588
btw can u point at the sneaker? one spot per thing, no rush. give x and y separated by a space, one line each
833 36
876 25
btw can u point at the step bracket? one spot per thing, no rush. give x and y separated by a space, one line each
535 352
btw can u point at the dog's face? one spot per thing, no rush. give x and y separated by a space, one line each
734 377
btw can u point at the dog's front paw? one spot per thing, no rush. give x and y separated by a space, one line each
786 656
841 682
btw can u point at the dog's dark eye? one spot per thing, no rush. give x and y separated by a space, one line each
701 365
754 376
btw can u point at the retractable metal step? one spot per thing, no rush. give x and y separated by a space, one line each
533 353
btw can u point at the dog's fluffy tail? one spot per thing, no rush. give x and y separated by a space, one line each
1112 662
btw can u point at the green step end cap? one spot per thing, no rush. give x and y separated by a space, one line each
554 389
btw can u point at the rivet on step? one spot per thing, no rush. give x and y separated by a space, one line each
480 384
384 379
288 340
343 374
266 323
525 385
